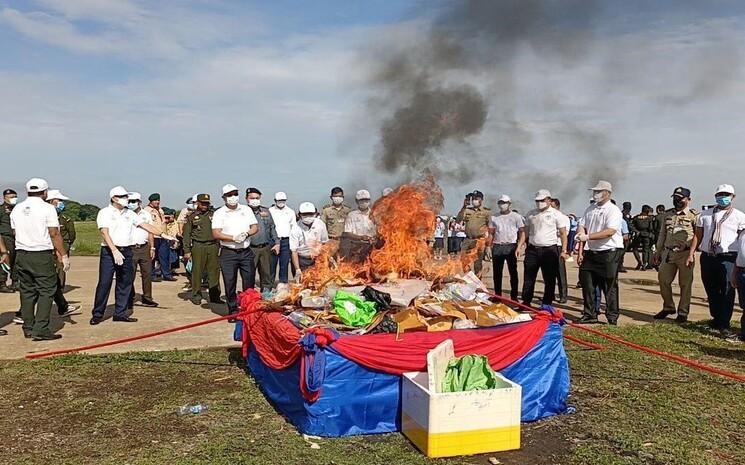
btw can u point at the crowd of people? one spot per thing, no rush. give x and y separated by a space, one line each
233 238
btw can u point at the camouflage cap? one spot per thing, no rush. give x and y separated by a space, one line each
203 198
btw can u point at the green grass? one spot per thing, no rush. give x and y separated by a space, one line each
632 408
88 241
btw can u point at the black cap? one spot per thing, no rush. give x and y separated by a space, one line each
9 192
627 205
337 190
477 195
253 190
681 192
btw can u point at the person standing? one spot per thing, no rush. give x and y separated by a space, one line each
507 229
265 244
642 228
191 206
4 259
67 231
335 214
476 222
143 252
602 241
117 224
360 231
233 225
306 238
284 220
717 230
440 236
561 276
36 227
672 255
738 280
202 249
10 198
162 243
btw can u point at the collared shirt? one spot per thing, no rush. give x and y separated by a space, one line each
234 221
360 224
31 220
543 227
157 218
335 218
600 217
676 229
284 220
120 223
506 227
140 235
731 229
267 233
307 240
440 229
5 229
475 221
181 219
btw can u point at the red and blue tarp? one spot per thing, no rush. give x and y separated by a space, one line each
331 385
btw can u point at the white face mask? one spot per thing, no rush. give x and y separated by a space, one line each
280 203
363 204
13 200
598 196
254 202
308 220
504 207
542 205
231 201
337 200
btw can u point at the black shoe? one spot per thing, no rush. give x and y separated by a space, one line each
196 300
94 321
148 303
3 332
613 322
622 270
157 280
69 310
126 319
681 319
218 301
663 314
27 334
586 320
563 300
6 290
170 279
47 337
639 267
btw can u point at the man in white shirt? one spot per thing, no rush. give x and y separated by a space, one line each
717 232
507 228
284 220
306 238
561 276
36 227
233 224
547 243
143 253
117 224
360 231
602 241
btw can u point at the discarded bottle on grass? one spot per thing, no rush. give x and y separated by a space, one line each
192 409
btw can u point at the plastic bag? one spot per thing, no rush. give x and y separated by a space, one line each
469 373
382 299
353 309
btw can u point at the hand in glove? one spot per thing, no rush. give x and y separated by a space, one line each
118 257
65 263
240 237
298 276
583 237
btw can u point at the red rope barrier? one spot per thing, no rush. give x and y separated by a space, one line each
582 342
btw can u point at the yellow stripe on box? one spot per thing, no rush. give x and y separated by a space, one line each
472 442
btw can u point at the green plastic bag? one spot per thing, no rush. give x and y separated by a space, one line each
353 309
469 373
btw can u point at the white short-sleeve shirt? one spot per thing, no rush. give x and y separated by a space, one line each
234 221
140 235
543 227
120 223
360 224
506 227
284 220
31 220
307 240
731 228
598 218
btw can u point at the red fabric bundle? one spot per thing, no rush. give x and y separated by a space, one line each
274 336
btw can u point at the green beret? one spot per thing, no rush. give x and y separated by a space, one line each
154 197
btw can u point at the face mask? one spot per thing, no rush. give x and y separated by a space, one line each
504 207
232 201
364 204
281 203
122 201
337 200
60 206
724 201
13 200
476 203
308 220
254 202
679 204
598 196
542 205
133 206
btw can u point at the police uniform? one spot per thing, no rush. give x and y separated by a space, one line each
673 246
643 228
476 223
7 234
204 250
67 233
335 218
162 246
261 244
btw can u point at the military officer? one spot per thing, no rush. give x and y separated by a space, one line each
10 197
643 229
673 246
265 244
476 219
335 214
203 250
67 231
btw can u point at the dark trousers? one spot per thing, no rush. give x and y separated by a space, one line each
124 273
263 258
501 254
141 259
283 260
561 279
231 262
59 295
163 256
716 271
547 260
37 282
598 274
741 291
204 259
10 244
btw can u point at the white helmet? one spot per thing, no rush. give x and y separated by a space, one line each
307 207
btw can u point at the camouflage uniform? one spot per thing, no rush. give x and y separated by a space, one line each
476 222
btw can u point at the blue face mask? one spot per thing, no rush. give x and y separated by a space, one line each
724 201
60 206
133 206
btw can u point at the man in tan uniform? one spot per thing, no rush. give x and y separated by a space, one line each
671 255
162 244
335 214
476 219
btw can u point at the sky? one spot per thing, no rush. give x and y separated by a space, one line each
180 97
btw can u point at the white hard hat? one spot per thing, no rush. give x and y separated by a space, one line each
307 207
543 194
55 194
726 189
280 196
36 185
362 195
118 191
505 199
135 196
602 186
228 188
387 191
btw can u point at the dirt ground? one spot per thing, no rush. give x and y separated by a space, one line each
639 301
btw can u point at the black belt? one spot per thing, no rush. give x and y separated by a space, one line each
21 251
723 255
258 246
139 246
204 242
678 249
601 252
542 246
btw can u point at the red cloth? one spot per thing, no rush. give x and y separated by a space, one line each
274 336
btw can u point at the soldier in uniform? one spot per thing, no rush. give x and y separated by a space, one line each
476 219
672 255
67 231
10 197
203 250
265 243
642 227
335 214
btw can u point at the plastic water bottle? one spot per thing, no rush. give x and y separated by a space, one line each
192 409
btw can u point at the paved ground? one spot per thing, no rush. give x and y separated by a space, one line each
639 301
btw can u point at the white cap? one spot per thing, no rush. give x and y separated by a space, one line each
726 189
362 195
36 185
194 198
504 199
135 196
118 191
228 188
280 196
602 186
307 207
55 194
387 191
543 194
